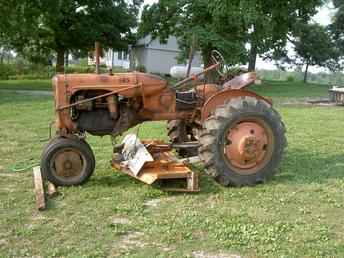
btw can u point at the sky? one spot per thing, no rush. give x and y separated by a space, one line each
323 17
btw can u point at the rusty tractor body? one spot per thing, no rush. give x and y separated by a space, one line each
236 133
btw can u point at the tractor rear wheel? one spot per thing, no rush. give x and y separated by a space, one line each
179 132
242 143
67 161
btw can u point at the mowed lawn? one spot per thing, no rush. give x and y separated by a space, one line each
300 213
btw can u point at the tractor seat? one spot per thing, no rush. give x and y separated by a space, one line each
186 100
241 81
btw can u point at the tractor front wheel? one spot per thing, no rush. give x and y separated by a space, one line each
67 161
242 142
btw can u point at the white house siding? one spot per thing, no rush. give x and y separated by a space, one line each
154 56
160 58
160 61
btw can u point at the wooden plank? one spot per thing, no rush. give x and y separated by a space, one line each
52 190
39 189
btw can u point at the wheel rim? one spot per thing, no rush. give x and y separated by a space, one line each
68 163
249 146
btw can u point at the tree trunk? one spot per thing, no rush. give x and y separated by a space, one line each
210 77
60 61
191 54
252 58
67 58
306 73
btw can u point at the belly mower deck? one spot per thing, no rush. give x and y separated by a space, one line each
164 167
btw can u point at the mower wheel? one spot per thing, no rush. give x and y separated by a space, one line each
180 132
67 161
242 143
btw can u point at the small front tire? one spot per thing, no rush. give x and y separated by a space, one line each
67 161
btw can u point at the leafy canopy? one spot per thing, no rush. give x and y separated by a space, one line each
62 25
226 25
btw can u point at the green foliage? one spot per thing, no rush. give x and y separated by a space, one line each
226 25
337 27
31 71
25 71
290 78
336 78
314 46
39 27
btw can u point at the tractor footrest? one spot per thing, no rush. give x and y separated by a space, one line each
164 168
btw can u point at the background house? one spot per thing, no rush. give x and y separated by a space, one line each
154 56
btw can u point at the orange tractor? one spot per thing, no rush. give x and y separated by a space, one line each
236 133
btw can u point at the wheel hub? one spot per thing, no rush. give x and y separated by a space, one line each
68 163
247 145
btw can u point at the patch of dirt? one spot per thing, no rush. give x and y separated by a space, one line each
202 254
3 242
120 221
152 203
37 216
132 240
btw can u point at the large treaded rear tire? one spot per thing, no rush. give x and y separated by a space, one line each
61 147
179 132
213 137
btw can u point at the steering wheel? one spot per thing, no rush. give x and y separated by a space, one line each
217 58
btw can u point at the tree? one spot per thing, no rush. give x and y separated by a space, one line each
313 46
337 27
185 18
65 25
227 25
271 21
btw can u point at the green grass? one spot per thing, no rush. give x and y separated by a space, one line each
277 89
26 85
297 214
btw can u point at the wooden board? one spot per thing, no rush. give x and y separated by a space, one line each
39 189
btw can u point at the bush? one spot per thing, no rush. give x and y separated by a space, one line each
7 70
27 71
290 78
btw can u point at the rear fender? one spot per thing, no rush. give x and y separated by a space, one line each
225 96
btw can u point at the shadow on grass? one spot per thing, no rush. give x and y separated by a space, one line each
304 166
125 181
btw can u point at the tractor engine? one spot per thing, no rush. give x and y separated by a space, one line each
110 115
